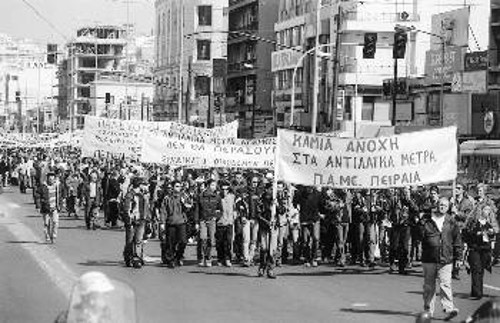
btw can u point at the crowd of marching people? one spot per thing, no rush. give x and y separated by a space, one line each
233 217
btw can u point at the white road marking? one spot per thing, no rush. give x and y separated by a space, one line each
359 305
492 287
44 255
13 205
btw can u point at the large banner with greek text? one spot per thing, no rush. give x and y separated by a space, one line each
229 152
416 158
103 136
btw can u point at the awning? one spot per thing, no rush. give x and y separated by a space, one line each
480 148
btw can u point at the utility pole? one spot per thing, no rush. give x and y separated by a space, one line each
336 65
188 91
314 117
394 90
181 62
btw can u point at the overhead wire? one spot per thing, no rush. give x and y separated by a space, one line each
41 16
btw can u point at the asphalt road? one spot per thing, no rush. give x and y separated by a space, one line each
36 281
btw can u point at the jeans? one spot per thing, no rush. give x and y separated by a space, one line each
268 246
432 272
50 229
327 238
207 237
71 204
250 235
478 259
293 240
383 240
311 233
341 233
134 233
364 242
91 212
175 242
113 212
224 237
282 237
400 240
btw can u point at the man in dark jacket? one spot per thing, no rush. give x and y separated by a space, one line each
173 223
112 198
310 221
208 211
441 246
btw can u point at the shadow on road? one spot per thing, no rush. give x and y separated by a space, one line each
26 242
344 271
380 312
103 263
229 274
34 216
79 227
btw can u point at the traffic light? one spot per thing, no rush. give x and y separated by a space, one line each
400 39
52 53
387 88
370 46
18 96
107 98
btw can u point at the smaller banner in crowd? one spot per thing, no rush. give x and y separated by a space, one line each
231 152
417 158
35 140
124 137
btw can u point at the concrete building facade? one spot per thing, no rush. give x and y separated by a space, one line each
250 80
130 100
189 35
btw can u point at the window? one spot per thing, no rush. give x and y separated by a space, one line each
203 49
202 85
205 15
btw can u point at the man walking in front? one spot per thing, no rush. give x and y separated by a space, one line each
441 246
50 202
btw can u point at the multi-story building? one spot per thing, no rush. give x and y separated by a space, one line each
95 50
190 36
27 85
359 80
250 80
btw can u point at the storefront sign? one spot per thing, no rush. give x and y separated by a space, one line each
439 68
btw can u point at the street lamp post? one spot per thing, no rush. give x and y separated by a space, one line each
443 53
308 52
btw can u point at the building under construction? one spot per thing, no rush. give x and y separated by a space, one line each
95 51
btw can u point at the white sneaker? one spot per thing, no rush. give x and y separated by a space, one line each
208 263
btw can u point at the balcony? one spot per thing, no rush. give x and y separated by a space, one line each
236 4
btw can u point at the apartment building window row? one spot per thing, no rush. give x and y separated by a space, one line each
296 9
283 79
291 36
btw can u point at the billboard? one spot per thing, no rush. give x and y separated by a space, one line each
453 26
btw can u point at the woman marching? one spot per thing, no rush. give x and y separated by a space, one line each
479 233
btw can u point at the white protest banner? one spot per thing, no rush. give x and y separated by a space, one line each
417 158
240 153
124 137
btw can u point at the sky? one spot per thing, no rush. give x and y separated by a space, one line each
17 19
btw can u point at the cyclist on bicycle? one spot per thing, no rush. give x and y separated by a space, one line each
50 202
